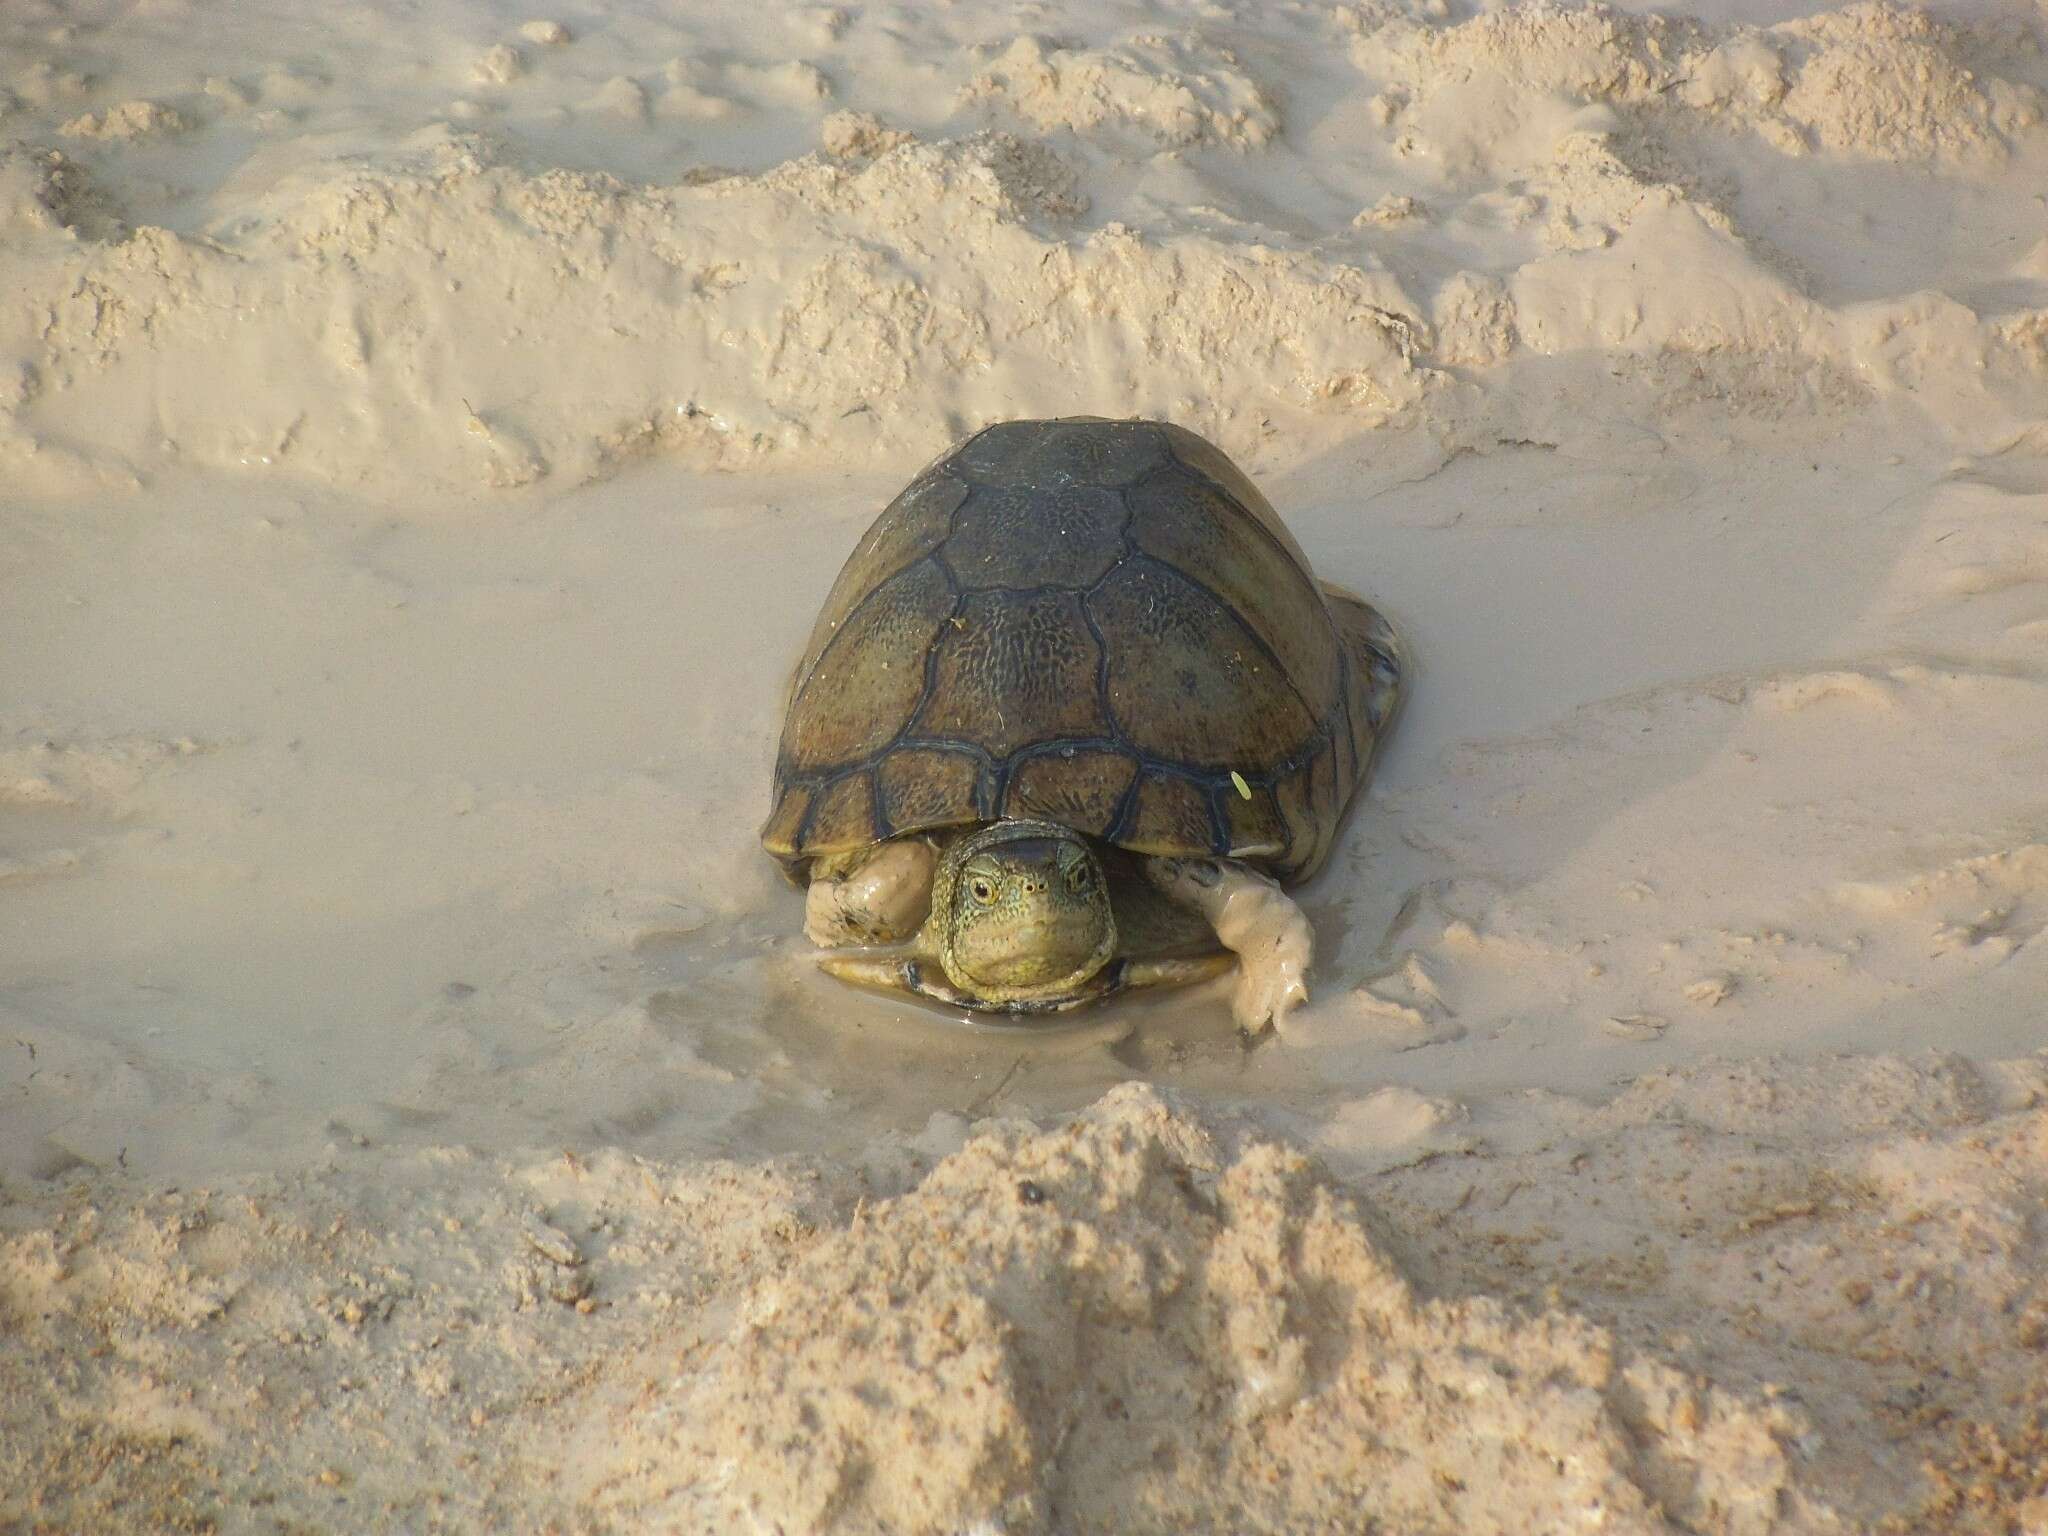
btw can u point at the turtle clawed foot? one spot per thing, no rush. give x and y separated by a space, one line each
1274 949
1253 917
882 970
1270 987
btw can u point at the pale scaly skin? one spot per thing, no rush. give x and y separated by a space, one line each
1023 917
1252 916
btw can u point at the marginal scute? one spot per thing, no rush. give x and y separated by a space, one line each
1014 669
779 837
986 457
871 675
1022 536
926 787
1188 681
1359 717
1076 787
1172 817
842 816
1257 829
1383 680
1297 795
1324 775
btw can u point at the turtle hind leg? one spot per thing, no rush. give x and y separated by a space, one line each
1377 667
878 895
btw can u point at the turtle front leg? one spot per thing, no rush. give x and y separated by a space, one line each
1254 918
877 895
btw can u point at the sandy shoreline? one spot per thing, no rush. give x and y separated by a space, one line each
425 437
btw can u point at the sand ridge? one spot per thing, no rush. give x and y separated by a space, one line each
1143 1313
445 284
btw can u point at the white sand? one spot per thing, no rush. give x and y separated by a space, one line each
426 434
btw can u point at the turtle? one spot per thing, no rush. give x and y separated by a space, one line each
1073 713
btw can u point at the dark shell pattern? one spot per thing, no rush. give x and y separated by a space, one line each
1092 622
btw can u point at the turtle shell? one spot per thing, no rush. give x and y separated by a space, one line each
1097 623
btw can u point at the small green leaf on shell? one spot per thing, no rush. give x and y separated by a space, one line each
1242 787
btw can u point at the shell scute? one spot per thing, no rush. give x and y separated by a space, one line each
1186 523
1080 450
920 786
1024 536
842 814
1258 827
1214 465
910 528
1077 787
1188 680
870 673
1173 815
1094 622
1013 669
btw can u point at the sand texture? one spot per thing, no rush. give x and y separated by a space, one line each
427 433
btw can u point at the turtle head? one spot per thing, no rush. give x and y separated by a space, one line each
1021 912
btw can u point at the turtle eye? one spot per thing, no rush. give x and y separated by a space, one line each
981 889
1079 878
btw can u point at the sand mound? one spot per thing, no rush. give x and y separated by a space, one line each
1705 1305
1876 81
1887 82
129 120
1864 1233
1176 91
1118 1324
310 1347
435 316
460 322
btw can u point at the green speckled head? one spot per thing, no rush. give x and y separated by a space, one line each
1021 912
